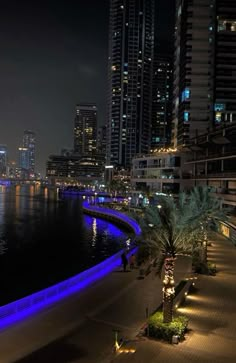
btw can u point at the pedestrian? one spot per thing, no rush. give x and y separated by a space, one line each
132 261
124 261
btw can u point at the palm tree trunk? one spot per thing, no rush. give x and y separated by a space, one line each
168 289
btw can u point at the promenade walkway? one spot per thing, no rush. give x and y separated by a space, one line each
81 329
212 313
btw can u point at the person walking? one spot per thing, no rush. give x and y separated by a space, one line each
124 261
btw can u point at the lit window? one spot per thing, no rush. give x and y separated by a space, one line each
186 116
219 107
185 94
218 117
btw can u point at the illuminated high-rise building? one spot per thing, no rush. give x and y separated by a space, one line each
3 160
131 45
29 144
85 129
205 67
162 101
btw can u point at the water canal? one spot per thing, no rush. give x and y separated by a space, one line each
48 239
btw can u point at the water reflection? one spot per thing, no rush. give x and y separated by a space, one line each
94 232
48 239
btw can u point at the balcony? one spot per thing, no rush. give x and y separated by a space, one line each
223 175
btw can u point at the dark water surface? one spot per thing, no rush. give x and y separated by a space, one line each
48 239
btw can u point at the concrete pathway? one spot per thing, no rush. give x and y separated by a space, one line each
211 309
81 328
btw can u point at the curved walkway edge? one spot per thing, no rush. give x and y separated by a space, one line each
22 308
113 215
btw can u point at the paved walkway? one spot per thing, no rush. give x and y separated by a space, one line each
212 313
87 320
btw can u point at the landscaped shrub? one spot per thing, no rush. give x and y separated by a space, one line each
159 330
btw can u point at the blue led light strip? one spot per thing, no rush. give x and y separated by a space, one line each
20 309
120 217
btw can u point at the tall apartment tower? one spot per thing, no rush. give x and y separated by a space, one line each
205 71
3 160
101 140
85 129
223 29
161 101
29 144
131 42
23 160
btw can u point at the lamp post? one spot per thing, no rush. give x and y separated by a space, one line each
95 197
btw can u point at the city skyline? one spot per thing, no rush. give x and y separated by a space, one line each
48 66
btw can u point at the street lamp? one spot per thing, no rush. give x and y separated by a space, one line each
159 207
95 197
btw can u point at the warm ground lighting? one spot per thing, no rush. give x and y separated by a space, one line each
126 350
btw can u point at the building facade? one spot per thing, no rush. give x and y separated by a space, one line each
193 71
224 61
161 102
102 140
23 163
213 161
72 169
3 160
29 144
163 171
131 44
85 129
205 70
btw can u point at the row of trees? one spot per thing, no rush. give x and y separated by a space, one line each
178 226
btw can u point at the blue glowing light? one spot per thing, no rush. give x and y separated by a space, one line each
22 308
219 107
103 225
5 182
186 116
106 213
185 94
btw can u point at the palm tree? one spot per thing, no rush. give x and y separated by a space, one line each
170 231
207 208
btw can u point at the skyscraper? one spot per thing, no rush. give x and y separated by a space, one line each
23 161
162 101
131 45
3 160
193 71
223 40
29 144
205 58
85 129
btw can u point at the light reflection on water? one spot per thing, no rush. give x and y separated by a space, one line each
48 240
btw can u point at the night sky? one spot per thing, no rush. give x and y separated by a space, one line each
53 56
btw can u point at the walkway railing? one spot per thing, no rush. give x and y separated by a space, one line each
31 304
114 215
228 230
